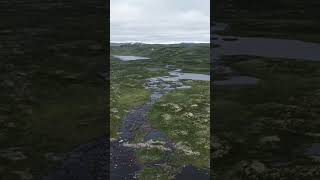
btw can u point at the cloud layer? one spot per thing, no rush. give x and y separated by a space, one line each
160 21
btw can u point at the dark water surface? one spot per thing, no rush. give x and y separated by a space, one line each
267 47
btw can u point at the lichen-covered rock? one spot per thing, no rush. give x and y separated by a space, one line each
166 117
186 149
189 114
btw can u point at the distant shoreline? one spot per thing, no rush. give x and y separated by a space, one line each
138 42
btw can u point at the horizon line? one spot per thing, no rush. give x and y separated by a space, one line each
168 42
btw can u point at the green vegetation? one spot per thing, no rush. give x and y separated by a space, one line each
128 77
185 117
124 97
127 90
187 126
150 155
188 57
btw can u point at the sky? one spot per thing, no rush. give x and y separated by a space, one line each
160 21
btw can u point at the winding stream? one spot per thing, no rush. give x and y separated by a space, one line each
123 163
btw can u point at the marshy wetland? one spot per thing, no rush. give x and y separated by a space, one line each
160 111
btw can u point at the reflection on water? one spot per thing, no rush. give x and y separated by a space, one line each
177 75
163 84
189 76
130 58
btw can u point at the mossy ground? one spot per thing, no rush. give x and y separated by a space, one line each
185 117
150 155
270 122
127 90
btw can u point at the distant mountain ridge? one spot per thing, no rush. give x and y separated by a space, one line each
115 44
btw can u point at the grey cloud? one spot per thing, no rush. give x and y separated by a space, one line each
160 21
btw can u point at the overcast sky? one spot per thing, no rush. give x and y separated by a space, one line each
160 21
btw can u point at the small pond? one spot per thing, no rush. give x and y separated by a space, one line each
130 58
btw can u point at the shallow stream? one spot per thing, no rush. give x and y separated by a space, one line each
123 162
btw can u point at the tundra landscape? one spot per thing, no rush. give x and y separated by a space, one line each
160 110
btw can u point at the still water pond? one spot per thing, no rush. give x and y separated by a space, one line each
130 58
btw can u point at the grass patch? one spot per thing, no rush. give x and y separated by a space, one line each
185 117
149 155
